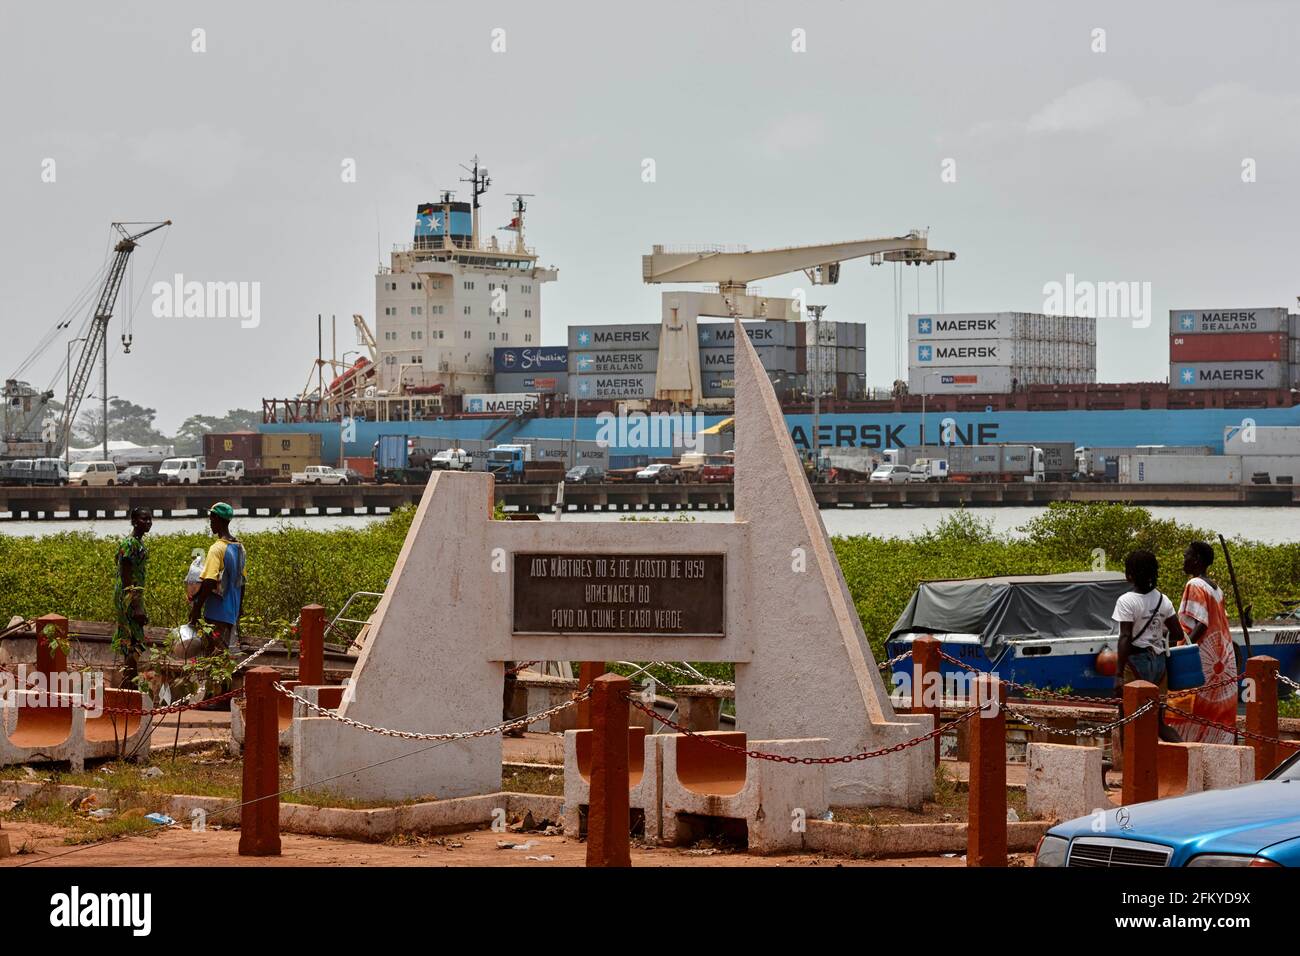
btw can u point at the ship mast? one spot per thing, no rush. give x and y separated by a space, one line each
480 181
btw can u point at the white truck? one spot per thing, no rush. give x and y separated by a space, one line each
929 469
179 471
317 475
452 459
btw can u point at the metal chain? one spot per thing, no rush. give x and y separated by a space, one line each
1231 730
256 654
410 735
894 660
1288 681
172 709
782 758
1090 732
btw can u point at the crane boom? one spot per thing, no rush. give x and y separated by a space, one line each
96 343
733 270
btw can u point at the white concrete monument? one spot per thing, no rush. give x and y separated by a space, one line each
764 592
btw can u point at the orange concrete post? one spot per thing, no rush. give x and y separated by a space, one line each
608 843
927 682
588 671
311 645
259 817
48 661
1261 711
1141 744
986 829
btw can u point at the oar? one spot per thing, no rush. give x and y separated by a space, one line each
1243 613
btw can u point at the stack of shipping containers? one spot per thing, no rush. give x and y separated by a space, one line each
287 452
1229 348
996 352
542 370
613 361
620 361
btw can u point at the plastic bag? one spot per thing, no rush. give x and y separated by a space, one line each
193 575
189 643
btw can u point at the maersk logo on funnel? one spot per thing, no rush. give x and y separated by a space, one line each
924 326
584 337
924 353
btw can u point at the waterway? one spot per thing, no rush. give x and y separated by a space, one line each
1269 525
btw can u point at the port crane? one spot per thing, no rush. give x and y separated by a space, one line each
678 373
96 341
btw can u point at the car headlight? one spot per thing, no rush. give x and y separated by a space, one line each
1051 851
1225 859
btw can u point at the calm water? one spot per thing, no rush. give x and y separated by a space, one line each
1271 525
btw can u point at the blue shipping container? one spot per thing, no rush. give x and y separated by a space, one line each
391 452
554 358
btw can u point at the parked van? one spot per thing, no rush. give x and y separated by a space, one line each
87 473
180 471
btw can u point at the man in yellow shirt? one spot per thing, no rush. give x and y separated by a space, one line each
220 597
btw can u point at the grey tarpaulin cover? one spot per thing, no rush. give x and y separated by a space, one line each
1000 609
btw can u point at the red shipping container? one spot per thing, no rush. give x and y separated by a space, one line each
1229 347
365 467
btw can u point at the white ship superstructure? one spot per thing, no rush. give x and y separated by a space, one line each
450 297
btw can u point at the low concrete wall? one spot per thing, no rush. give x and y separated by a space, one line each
910 839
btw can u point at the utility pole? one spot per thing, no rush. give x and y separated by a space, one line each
817 311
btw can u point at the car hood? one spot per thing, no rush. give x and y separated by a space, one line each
1243 819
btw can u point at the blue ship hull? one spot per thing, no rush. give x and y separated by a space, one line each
1202 426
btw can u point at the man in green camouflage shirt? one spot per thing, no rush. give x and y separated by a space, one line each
128 594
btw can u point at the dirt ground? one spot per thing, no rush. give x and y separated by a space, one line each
182 847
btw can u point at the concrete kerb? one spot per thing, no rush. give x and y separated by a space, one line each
372 825
910 839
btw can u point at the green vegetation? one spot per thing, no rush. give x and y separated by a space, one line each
72 574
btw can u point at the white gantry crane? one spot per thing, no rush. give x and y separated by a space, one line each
678 373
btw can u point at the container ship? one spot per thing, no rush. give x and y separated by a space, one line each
456 355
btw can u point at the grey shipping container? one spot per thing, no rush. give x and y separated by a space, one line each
1228 320
774 359
1058 459
629 385
719 334
1261 439
605 361
585 338
1229 375
1180 469
545 383
1281 469
978 379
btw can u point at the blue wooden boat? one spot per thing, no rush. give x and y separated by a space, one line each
1047 630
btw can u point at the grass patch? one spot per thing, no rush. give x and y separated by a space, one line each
545 782
950 804
47 810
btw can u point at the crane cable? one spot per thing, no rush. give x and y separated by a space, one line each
79 302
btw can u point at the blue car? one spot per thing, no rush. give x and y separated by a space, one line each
1256 824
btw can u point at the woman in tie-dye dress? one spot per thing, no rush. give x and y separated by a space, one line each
1205 623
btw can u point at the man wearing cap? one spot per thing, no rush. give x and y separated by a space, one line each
220 597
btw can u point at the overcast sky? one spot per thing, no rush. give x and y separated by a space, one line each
1123 165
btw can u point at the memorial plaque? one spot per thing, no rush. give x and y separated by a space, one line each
656 595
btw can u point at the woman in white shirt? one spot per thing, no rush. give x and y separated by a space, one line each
1146 623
